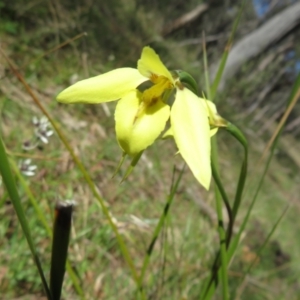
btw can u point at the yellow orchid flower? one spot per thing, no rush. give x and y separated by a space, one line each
141 116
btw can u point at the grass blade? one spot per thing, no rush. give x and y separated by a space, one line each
206 73
159 227
221 68
133 163
262 248
11 188
223 250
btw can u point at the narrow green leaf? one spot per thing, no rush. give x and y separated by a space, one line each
219 268
234 131
266 241
221 68
133 163
119 164
220 186
206 73
11 188
159 226
259 252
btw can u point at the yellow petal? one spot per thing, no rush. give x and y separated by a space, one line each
134 133
168 134
211 110
215 120
210 107
190 126
150 64
213 131
109 86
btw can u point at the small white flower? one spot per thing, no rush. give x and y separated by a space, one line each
42 130
35 121
26 168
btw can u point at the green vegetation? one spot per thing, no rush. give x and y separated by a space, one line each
185 249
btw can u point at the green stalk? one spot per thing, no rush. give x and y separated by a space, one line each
216 263
209 288
260 250
133 163
221 230
159 227
206 73
11 188
222 238
219 191
219 184
221 67
238 135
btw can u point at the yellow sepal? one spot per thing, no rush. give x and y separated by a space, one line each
190 126
150 64
137 127
107 87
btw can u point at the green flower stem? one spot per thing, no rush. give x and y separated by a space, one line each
219 184
159 227
86 176
10 185
43 220
221 230
216 264
211 92
219 191
222 237
234 131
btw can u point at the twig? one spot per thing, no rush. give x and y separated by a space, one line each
185 19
